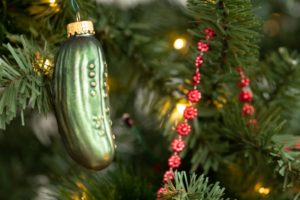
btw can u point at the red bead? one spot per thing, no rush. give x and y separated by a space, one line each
196 78
183 129
178 145
174 161
210 33
252 122
199 61
248 109
245 81
203 47
287 148
168 176
190 113
240 70
245 96
160 192
194 96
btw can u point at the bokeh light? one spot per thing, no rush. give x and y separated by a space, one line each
179 43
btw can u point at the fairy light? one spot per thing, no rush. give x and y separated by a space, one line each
178 111
264 191
52 3
179 43
180 108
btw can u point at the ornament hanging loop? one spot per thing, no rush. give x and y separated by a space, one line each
76 9
78 18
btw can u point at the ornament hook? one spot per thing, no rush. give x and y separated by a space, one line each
77 16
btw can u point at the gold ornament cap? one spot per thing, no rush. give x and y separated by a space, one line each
80 28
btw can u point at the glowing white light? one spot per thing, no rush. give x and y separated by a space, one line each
180 107
179 43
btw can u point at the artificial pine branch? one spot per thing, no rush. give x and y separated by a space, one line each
20 84
235 44
277 84
121 183
193 188
237 30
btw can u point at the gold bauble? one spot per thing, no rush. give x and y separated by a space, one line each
43 66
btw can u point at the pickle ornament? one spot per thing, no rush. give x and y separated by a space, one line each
80 98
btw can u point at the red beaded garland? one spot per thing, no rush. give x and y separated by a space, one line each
203 47
199 61
210 33
174 161
196 78
245 96
178 145
183 129
194 96
245 81
160 192
190 113
248 109
168 176
252 122
240 71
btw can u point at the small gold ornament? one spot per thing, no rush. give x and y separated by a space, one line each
219 102
43 65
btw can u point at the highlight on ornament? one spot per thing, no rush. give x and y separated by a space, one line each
179 43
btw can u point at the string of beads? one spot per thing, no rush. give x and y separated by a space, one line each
184 128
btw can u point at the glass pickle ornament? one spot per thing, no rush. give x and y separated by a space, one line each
80 98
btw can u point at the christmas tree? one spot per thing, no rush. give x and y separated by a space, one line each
203 99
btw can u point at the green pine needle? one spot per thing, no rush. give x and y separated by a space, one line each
20 86
194 188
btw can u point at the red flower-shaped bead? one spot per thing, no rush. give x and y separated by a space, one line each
252 123
160 192
196 78
168 176
248 109
240 71
190 113
245 96
210 33
183 129
203 47
194 96
178 145
199 61
245 81
174 161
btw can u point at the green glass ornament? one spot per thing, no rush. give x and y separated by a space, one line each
80 98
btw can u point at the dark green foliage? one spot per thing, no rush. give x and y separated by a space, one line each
277 85
120 184
26 164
